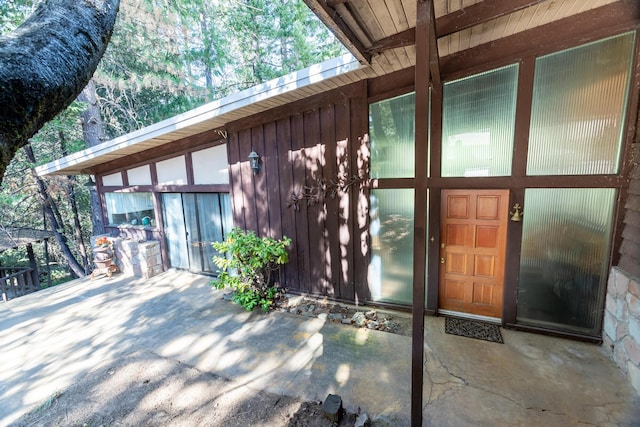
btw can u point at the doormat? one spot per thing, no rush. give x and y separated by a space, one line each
473 329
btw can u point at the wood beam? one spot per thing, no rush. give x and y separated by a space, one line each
479 13
340 29
401 39
564 33
423 34
434 56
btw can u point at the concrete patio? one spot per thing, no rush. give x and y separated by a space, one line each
51 338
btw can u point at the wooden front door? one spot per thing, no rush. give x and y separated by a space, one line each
473 235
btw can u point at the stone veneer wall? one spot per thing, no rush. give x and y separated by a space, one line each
621 337
142 259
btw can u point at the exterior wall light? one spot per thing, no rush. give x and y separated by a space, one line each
254 162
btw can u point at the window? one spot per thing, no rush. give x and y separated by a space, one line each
391 266
392 130
130 208
478 123
564 260
578 109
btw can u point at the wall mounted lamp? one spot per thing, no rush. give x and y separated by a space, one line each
254 162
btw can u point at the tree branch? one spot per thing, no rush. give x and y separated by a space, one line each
46 62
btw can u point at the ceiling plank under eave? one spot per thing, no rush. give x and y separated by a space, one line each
462 19
340 29
479 13
590 25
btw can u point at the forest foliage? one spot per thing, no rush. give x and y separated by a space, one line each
165 57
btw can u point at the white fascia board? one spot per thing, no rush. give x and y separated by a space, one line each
281 85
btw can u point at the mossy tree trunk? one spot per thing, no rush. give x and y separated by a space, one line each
46 62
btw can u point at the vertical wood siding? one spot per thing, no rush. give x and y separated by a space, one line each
329 254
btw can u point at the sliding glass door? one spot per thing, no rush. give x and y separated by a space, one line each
192 222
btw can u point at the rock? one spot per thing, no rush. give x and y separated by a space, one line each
336 316
372 324
362 421
293 310
228 296
371 315
332 407
346 321
359 319
311 307
322 316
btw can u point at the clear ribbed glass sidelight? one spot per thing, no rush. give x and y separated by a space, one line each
565 256
392 130
578 109
478 124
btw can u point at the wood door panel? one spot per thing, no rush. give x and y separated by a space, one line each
473 232
488 207
485 265
457 234
458 207
456 263
483 294
487 236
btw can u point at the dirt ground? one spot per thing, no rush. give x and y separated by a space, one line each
144 388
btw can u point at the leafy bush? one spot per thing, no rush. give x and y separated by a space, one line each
246 264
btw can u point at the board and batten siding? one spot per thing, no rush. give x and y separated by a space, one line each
630 247
304 149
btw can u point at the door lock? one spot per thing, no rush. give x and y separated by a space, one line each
441 260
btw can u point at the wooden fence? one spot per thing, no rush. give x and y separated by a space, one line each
17 281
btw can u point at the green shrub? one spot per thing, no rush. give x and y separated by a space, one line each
246 264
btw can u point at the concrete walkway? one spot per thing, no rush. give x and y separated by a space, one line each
52 338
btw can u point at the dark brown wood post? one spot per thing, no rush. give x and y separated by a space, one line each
35 280
422 78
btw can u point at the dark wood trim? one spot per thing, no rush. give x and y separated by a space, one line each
552 181
553 333
392 85
401 39
434 56
433 254
203 140
392 183
424 31
434 192
479 13
188 164
572 31
523 117
512 261
339 28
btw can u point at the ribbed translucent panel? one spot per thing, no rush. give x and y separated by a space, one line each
392 130
564 260
579 102
478 124
391 266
